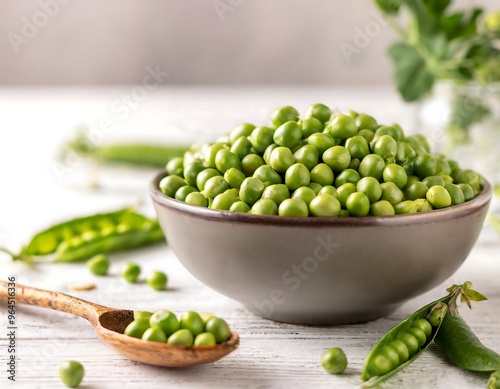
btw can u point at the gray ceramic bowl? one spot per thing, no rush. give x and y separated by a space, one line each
320 270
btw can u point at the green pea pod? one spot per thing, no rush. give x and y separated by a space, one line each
145 155
374 362
407 340
84 237
463 348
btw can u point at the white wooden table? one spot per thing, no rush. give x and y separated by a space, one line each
34 122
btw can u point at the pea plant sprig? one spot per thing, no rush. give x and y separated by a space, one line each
439 42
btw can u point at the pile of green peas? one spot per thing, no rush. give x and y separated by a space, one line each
189 329
325 164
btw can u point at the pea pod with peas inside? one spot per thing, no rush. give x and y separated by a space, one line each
407 340
84 237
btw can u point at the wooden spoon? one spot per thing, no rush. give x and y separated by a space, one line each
110 323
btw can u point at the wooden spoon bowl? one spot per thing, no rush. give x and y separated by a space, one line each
110 324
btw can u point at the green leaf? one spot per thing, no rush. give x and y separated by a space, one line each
474 295
389 7
412 76
437 6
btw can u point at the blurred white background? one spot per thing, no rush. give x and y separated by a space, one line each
92 42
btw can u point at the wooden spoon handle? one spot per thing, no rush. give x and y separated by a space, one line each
54 300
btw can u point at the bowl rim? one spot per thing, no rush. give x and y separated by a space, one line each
436 215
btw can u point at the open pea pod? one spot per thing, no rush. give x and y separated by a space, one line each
404 343
407 340
84 237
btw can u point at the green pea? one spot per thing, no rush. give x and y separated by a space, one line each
416 190
166 320
321 142
293 207
157 280
467 191
357 146
241 147
205 339
130 272
358 204
391 355
370 187
402 350
344 213
372 165
322 174
347 175
324 205
446 178
251 190
171 184
438 196
261 138
137 328
265 207
244 129
196 198
395 173
278 193
319 111
251 163
437 314
382 208
283 115
71 373
337 157
175 167
382 365
304 193
442 166
407 206
211 153
453 166
204 176
494 380
223 201
307 155
424 165
182 192
419 335
192 321
225 160
192 170
181 337
218 328
311 126
299 145
329 189
456 194
98 265
267 153
234 177
391 193
387 130
155 334
386 147
334 360
240 206
315 187
367 134
400 135
288 134
215 186
366 122
267 175
296 176
354 164
423 205
433 180
410 341
342 127
142 314
424 326
344 191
